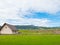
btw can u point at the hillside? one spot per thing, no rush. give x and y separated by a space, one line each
35 27
26 27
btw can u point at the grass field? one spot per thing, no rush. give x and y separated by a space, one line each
30 39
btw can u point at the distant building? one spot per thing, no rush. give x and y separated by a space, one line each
8 29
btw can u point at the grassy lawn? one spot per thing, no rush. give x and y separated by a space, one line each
27 39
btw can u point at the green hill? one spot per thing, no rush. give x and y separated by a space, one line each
26 27
32 27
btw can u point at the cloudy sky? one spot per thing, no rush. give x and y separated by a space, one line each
30 12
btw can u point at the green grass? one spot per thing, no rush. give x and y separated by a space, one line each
30 39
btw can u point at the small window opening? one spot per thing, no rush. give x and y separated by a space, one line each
5 27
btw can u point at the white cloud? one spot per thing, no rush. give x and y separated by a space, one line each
9 9
31 21
39 22
50 6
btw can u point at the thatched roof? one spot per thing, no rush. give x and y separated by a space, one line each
12 27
